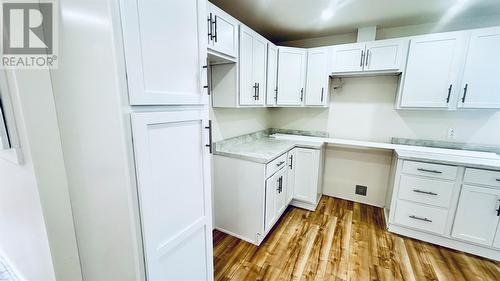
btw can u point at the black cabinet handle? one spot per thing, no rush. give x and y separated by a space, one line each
215 28
258 91
425 192
322 90
255 91
362 58
420 219
280 163
210 30
497 179
429 171
291 162
209 128
465 92
498 210
302 94
367 55
449 93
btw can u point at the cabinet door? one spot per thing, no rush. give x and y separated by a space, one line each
272 74
496 241
476 219
481 80
281 202
223 32
385 55
317 77
306 174
347 58
173 178
259 67
291 75
432 70
247 85
290 176
271 211
165 53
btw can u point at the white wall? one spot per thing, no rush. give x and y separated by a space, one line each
37 237
91 101
228 122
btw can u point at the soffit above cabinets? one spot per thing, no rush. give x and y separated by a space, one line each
283 20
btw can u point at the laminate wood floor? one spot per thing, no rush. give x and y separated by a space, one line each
342 240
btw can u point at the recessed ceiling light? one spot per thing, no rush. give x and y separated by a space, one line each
326 14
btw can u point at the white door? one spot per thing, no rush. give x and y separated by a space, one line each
481 80
165 51
432 71
385 55
248 88
173 176
222 31
347 58
291 75
272 74
260 67
290 176
477 217
271 210
307 163
281 202
317 77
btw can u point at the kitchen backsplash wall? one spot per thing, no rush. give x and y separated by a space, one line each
232 122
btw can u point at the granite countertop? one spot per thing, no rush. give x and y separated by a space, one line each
261 147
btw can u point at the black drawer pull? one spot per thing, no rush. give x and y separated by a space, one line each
420 219
497 179
425 192
429 171
280 163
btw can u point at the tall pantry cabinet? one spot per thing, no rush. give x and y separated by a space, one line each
165 50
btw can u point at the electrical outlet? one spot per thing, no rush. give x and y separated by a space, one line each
361 190
451 133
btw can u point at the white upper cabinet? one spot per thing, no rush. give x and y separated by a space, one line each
272 74
380 55
174 188
222 31
432 75
385 55
252 65
291 75
317 77
347 58
477 215
165 53
481 80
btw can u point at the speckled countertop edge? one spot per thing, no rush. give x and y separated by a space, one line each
229 146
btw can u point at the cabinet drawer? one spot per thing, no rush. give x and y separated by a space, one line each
275 165
486 177
427 191
425 218
430 170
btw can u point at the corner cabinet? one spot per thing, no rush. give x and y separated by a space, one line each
222 35
292 64
252 67
317 78
454 70
173 182
272 74
162 71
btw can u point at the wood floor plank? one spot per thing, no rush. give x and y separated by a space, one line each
342 241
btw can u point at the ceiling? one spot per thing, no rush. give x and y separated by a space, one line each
283 20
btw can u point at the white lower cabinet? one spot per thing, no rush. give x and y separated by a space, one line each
452 206
173 177
307 165
477 215
250 197
275 198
